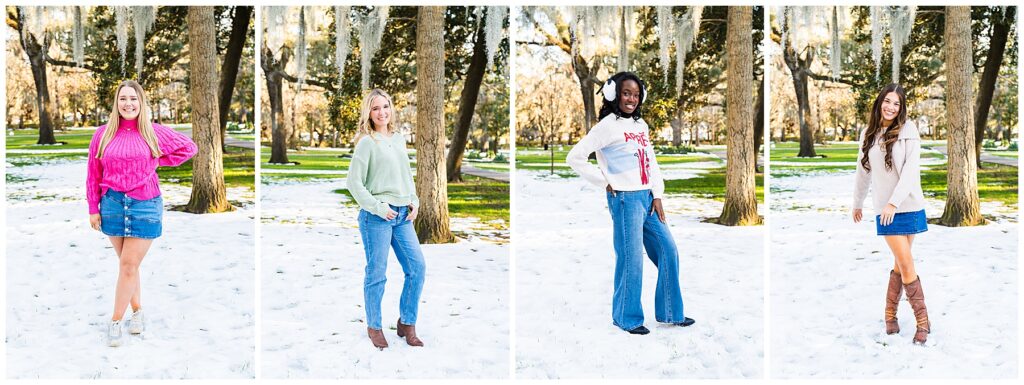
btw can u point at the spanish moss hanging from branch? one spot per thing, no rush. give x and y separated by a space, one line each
143 18
342 42
835 56
274 36
686 32
664 38
121 15
494 30
78 42
371 29
877 34
902 19
625 35
301 53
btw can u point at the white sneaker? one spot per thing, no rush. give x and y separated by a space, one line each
114 334
136 325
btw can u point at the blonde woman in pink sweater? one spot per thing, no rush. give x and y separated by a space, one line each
123 192
889 162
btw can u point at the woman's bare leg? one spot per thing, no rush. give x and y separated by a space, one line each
900 246
133 250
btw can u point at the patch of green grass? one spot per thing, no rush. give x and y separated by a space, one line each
787 151
11 179
480 198
308 160
1005 154
239 169
996 183
710 185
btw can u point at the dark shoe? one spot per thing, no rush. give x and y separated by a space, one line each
687 321
409 332
892 299
915 295
377 337
639 330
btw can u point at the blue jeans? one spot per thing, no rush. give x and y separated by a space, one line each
380 235
636 228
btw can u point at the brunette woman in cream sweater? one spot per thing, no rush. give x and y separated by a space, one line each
889 161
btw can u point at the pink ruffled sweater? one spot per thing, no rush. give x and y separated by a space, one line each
127 164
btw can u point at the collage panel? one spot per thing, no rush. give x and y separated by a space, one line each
665 102
120 192
914 110
385 253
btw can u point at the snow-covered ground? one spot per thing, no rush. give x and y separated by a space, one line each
829 280
312 296
197 286
564 271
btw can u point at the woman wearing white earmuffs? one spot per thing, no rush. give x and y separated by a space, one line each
628 171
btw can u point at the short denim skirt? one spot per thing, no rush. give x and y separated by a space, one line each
903 224
124 216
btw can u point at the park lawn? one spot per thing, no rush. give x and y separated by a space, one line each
493 166
475 197
710 185
239 169
76 139
1003 153
787 151
308 160
26 140
845 152
996 183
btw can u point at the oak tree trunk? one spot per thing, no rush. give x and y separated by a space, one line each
274 70
208 192
432 224
740 199
962 205
37 61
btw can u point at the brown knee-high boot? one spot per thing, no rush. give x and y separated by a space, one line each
915 295
892 298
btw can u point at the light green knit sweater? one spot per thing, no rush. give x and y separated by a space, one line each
379 174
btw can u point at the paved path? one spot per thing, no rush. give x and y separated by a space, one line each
985 157
500 176
724 155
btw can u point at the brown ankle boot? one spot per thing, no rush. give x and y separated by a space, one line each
892 298
409 332
377 337
916 298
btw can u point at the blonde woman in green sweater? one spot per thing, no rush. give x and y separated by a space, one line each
380 180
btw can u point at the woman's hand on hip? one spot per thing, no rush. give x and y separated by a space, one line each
412 213
658 209
887 214
95 220
858 214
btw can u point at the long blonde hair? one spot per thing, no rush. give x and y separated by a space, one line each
145 124
365 125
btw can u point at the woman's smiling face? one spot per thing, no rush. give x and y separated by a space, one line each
629 96
380 113
128 103
891 107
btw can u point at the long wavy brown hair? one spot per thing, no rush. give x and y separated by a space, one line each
875 125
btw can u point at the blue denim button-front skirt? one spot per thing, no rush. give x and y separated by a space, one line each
124 216
903 224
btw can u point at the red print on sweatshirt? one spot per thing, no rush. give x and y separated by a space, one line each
641 154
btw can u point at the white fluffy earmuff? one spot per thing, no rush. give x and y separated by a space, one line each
609 90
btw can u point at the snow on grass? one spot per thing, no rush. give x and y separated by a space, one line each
313 317
829 280
197 286
565 265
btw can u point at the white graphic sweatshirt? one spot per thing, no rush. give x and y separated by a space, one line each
625 156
